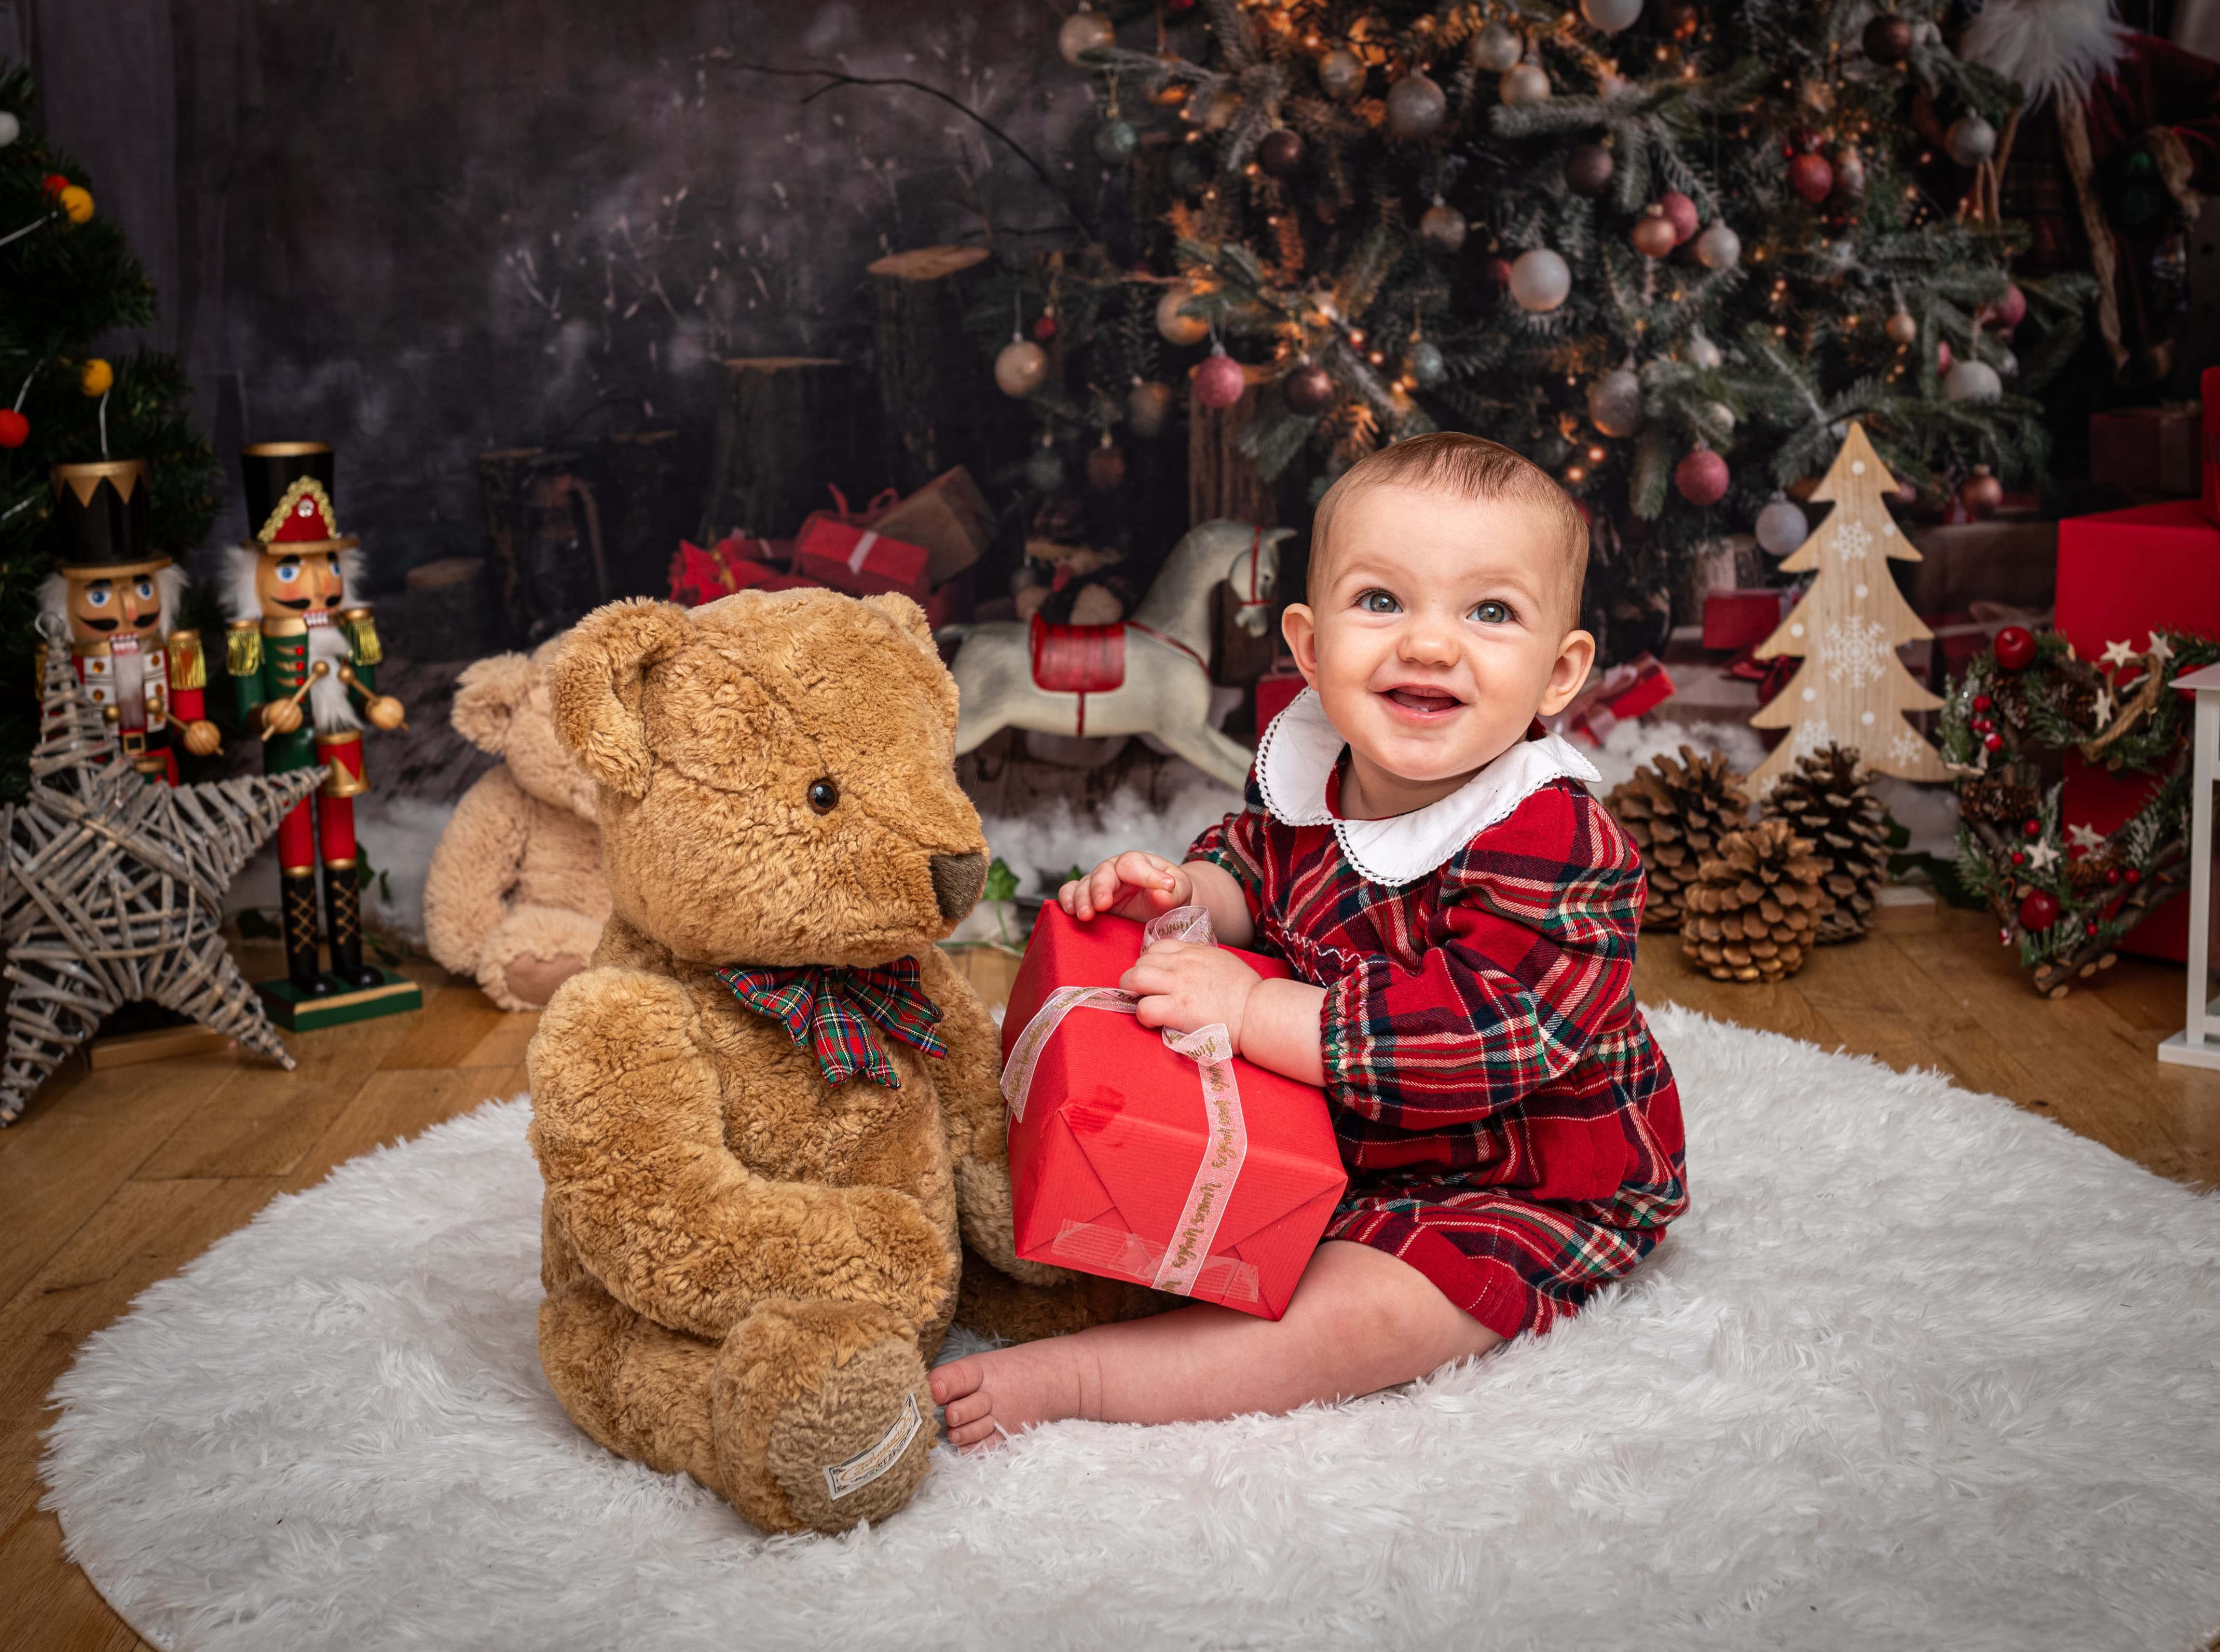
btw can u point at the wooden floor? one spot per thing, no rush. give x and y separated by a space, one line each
114 1180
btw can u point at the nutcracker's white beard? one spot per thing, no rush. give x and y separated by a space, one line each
328 699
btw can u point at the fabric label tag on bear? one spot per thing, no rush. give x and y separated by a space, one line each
867 1465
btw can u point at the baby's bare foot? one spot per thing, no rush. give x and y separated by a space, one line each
1008 1390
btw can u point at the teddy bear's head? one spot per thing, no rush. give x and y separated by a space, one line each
505 705
777 775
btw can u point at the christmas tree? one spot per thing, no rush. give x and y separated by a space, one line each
1666 250
67 278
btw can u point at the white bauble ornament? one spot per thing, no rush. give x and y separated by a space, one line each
1340 72
1175 328
1615 402
1498 49
10 128
1719 248
1721 417
1527 83
1970 140
1781 526
1972 381
1443 226
1540 280
1416 107
1020 368
1084 31
1611 16
1703 354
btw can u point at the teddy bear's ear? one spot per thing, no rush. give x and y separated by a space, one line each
487 695
907 615
597 686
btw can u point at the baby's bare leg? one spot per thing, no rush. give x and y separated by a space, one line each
1359 1321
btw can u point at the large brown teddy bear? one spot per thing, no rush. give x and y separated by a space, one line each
748 1264
516 897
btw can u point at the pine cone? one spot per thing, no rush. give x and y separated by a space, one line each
1825 799
1676 813
1755 907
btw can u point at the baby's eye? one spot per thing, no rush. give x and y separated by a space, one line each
1492 613
1379 602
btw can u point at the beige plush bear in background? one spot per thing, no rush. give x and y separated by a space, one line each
516 896
768 1118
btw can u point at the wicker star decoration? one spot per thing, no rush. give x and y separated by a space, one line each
112 890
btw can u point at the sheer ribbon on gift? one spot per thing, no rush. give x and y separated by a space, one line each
1210 1049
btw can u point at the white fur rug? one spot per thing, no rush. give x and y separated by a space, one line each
1917 1370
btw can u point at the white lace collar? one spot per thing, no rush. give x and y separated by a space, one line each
1298 752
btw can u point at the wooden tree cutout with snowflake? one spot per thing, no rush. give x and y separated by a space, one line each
1851 689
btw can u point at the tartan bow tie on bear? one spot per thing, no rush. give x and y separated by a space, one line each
825 1008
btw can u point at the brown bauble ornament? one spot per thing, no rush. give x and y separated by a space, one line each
1588 170
1106 467
1308 390
1887 40
1281 151
1812 177
1902 328
1654 235
1981 492
1416 107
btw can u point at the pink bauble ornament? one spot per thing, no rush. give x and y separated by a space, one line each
1680 213
1701 478
2009 311
1219 380
1942 355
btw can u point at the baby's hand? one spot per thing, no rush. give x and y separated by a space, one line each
1134 885
1183 986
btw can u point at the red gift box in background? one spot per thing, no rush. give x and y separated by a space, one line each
2121 575
861 561
733 564
1740 619
1612 697
1127 1162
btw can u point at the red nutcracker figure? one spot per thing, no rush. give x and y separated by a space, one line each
304 661
108 597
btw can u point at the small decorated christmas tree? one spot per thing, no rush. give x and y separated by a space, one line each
1851 688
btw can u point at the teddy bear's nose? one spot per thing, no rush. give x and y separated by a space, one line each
957 881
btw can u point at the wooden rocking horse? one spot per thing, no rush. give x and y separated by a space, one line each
1148 675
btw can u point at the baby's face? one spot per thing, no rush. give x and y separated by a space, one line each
1443 629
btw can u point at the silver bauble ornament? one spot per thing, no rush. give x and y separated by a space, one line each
1044 469
10 128
1020 368
1611 16
1497 49
1540 280
1781 526
1527 83
1148 409
1972 381
1416 106
1443 226
1083 31
1171 325
1115 142
1615 402
1340 72
1425 366
1721 417
1970 140
1719 248
1703 354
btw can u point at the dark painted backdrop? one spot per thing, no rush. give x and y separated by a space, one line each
424 229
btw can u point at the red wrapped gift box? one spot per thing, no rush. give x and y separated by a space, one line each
1199 1174
1737 619
2121 574
861 561
1612 697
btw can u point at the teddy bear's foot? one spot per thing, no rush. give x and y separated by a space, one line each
640 1389
822 1415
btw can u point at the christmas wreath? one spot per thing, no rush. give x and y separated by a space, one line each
2066 897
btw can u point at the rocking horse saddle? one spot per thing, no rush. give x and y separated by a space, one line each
1078 659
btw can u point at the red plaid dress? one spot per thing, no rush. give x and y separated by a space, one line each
1510 1128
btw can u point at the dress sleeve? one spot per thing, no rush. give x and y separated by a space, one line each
1237 844
1533 956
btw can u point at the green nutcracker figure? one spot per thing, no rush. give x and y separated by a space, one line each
304 661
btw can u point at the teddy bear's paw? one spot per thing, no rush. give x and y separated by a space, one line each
824 1415
532 982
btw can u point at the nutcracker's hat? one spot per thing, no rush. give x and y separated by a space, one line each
288 499
102 509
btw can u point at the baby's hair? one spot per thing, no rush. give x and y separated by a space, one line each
1466 467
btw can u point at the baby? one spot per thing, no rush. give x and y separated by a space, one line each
1459 914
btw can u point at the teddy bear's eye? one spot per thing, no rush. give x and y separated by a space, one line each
823 795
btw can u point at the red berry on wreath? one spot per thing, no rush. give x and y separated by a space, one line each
15 429
2018 858
2089 928
1980 702
1994 742
2038 910
2015 648
2134 877
2111 874
2033 828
